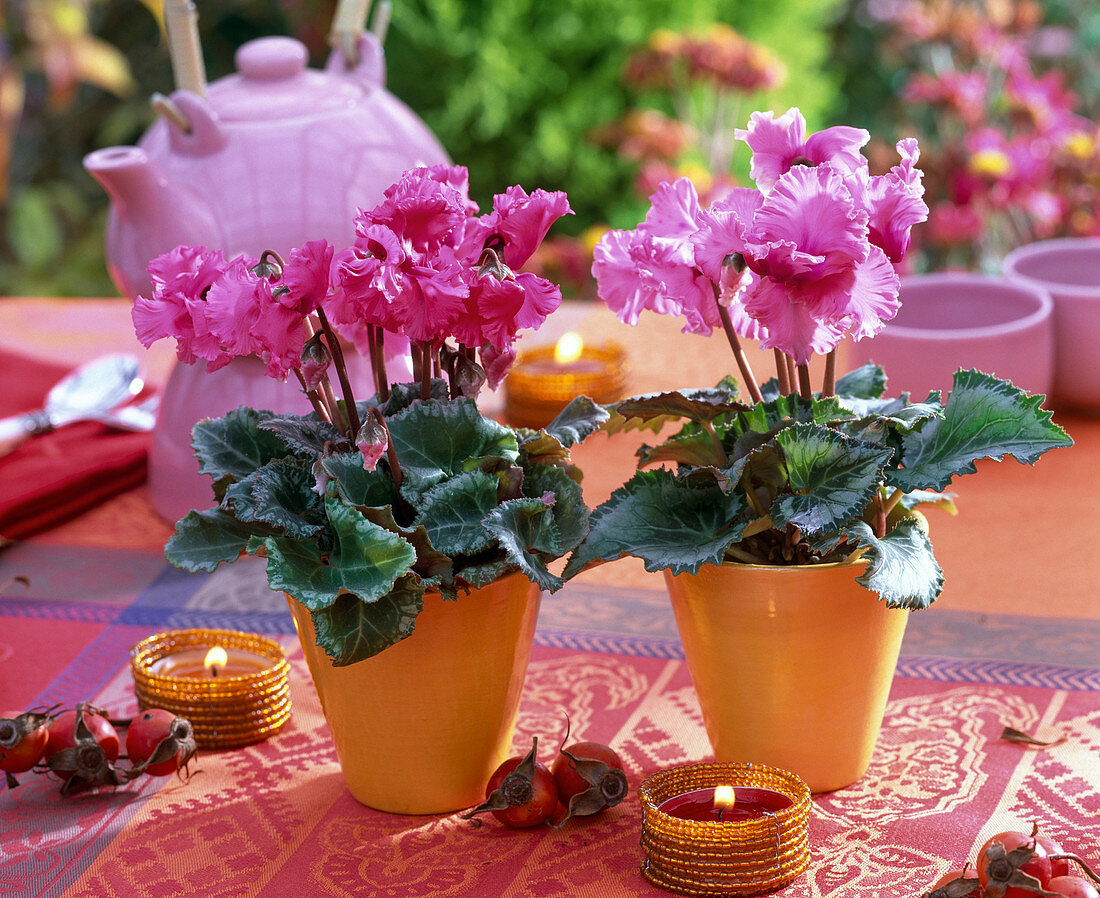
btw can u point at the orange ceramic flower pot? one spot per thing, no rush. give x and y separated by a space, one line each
420 727
792 665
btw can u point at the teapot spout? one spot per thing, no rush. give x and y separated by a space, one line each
151 214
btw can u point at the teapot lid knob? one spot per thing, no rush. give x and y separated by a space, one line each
270 58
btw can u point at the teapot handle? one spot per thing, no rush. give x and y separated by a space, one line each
205 135
371 69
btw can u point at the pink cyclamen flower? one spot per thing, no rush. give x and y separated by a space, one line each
521 220
497 363
306 276
372 452
779 143
176 309
894 201
653 266
428 207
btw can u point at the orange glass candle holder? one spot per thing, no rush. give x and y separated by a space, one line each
243 700
742 856
539 386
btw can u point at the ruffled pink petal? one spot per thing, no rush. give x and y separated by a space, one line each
775 143
872 297
234 304
616 263
735 288
839 146
280 333
674 210
497 305
789 326
424 208
896 203
523 220
497 363
430 302
307 276
722 229
540 298
809 226
162 315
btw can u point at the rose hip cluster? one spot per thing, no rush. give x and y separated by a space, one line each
81 746
584 779
1018 865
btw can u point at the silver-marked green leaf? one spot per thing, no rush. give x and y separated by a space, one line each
833 477
578 420
569 511
303 434
355 484
866 382
453 512
350 630
281 494
525 529
900 567
485 572
664 521
433 440
984 418
204 539
366 560
234 445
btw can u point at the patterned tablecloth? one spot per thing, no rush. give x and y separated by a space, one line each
275 819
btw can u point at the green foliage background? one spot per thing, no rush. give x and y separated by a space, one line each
512 90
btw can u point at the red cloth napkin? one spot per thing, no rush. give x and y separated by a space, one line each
51 478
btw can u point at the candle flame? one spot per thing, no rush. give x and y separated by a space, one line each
568 348
724 796
215 658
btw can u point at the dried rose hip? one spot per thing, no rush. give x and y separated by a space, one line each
956 884
159 743
521 793
23 739
590 778
82 748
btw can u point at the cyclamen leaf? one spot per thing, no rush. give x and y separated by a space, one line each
899 412
900 567
695 405
833 477
234 445
865 382
303 434
767 417
350 630
525 529
366 560
569 511
984 418
454 510
204 539
578 420
691 446
942 501
281 494
664 521
404 395
355 484
432 567
433 440
485 572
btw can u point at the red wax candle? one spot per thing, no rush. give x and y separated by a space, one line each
749 803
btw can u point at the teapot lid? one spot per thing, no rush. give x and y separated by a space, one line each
273 82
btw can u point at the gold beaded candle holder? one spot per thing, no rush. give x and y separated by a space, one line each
757 842
240 698
540 385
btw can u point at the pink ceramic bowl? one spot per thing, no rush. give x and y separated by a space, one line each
961 320
1070 270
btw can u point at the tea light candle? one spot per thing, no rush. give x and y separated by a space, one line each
544 379
725 803
233 687
724 829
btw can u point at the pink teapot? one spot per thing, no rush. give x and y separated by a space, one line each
275 155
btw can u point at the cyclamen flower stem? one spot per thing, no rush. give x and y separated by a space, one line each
338 417
738 353
829 387
893 500
391 453
781 372
426 370
750 493
314 399
880 516
378 362
342 371
804 385
792 375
